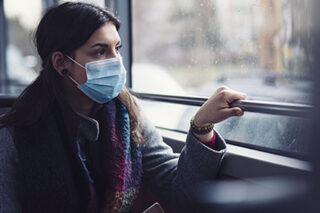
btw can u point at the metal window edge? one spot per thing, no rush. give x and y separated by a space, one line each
3 46
267 107
243 162
123 11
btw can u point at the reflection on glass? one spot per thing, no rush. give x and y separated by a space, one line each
272 132
282 133
256 46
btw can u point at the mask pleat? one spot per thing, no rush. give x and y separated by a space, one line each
103 71
104 80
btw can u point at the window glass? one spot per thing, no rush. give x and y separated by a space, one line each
23 63
280 134
256 46
260 47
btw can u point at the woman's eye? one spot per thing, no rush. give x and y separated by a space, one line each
118 48
101 52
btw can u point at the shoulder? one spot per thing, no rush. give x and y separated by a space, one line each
6 141
6 133
9 177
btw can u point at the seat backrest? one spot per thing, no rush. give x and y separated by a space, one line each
6 101
4 110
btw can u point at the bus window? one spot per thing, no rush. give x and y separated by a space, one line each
21 57
190 48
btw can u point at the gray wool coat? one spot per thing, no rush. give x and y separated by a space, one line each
167 174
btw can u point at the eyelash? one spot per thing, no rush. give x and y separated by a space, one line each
118 48
103 50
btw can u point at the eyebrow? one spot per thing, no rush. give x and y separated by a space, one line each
99 44
104 45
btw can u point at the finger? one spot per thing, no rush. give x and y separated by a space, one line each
223 88
234 111
234 95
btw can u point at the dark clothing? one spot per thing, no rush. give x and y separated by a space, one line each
41 170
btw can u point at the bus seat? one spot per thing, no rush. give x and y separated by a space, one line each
4 110
6 102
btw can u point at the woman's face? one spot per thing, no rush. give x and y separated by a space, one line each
104 43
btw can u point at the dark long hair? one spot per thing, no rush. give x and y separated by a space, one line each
63 28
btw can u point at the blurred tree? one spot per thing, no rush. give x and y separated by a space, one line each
270 41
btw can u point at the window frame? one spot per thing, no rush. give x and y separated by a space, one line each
123 10
243 162
3 47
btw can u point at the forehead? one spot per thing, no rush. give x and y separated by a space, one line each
107 33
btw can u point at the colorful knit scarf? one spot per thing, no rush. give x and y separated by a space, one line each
122 158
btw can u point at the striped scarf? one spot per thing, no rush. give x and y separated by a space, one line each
123 161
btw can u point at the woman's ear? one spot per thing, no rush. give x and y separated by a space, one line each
59 63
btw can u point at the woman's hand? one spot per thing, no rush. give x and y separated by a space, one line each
217 107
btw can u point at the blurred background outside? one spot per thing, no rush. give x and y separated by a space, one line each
257 46
260 47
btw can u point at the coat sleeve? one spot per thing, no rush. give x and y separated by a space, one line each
8 173
170 175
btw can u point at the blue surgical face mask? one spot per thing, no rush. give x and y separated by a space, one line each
106 78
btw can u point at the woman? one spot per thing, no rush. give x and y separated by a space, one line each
75 140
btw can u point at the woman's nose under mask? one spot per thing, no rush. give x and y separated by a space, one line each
106 78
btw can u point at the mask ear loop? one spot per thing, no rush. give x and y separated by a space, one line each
74 81
75 62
